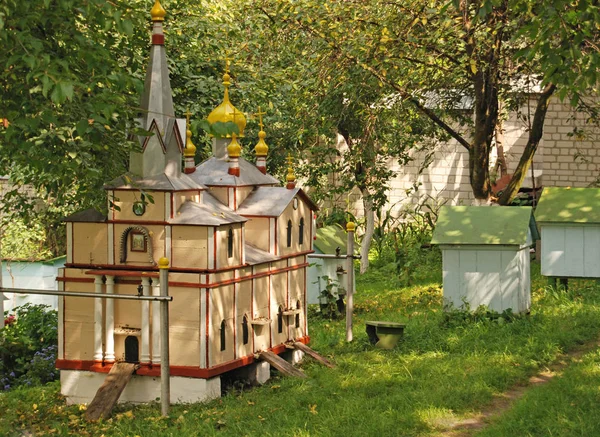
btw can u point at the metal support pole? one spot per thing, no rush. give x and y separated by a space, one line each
165 381
350 228
85 294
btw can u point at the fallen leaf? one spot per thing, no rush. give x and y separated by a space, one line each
313 409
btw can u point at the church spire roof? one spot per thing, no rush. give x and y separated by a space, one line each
161 152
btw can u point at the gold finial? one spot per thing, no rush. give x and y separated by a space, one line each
158 13
234 150
350 227
163 263
190 148
261 148
226 76
226 112
291 177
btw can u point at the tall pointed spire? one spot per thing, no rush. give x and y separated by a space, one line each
161 152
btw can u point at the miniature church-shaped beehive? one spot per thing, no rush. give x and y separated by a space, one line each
236 242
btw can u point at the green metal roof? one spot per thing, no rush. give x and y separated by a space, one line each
569 205
329 238
481 225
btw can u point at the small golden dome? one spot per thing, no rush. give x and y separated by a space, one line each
261 148
226 112
163 263
350 227
190 148
234 150
158 12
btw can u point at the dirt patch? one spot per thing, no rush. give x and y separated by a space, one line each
467 427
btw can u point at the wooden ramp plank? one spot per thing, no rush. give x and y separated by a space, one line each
311 352
280 364
109 392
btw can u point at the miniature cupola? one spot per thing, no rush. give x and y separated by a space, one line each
234 150
261 149
224 113
190 150
291 177
162 150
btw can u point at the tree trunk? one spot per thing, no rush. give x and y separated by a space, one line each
369 230
535 135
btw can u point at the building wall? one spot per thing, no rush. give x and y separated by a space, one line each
571 251
189 247
124 199
495 277
294 215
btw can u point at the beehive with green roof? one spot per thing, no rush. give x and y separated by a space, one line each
569 221
485 256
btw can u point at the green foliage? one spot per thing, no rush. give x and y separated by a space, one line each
331 297
24 242
28 347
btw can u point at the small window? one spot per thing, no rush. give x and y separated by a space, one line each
289 234
298 315
280 320
230 243
223 335
301 232
245 330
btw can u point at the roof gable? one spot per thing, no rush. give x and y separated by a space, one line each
482 225
271 201
569 205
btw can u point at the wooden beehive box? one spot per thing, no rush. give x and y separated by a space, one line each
485 256
569 221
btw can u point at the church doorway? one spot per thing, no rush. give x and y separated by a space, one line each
132 349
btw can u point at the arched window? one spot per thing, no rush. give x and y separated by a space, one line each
301 232
298 315
245 329
230 243
280 320
289 234
223 335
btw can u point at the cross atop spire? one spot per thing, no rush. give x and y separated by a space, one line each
259 114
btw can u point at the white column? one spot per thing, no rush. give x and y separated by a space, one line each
109 327
155 323
98 320
145 351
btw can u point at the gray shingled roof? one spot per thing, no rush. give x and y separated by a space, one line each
210 212
89 215
213 172
254 255
267 201
271 201
159 182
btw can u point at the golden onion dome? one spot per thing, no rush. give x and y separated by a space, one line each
234 150
158 13
226 112
261 148
190 148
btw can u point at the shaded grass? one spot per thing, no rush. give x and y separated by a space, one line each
446 368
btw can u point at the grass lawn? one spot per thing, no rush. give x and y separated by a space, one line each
448 367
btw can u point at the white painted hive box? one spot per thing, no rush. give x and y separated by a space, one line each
485 257
569 221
